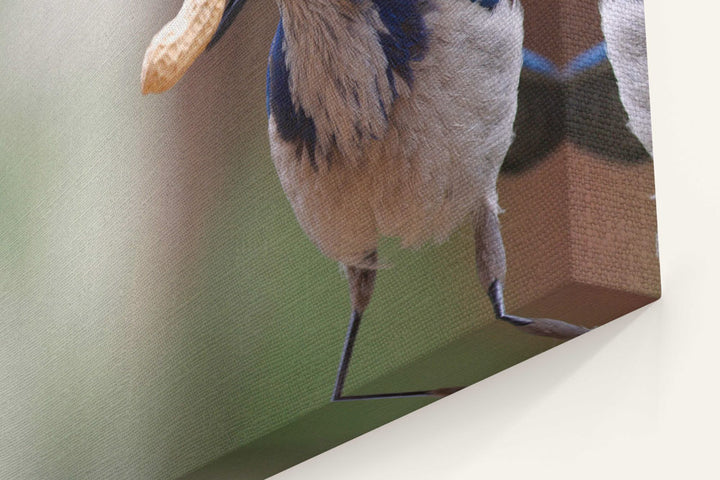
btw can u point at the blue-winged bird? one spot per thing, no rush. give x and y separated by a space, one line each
387 118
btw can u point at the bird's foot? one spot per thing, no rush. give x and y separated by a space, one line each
546 327
444 392
534 326
516 321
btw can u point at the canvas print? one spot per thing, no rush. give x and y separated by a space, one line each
309 218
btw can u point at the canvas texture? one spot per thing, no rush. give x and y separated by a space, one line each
174 268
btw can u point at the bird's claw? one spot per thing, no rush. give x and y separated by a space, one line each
516 321
444 392
551 328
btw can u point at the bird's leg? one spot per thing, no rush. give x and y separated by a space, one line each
491 268
362 284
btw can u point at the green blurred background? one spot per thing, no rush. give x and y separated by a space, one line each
159 305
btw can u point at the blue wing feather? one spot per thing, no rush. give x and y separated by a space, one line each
406 39
489 4
293 124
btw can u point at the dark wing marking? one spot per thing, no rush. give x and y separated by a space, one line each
293 124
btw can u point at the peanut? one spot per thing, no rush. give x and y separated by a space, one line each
179 43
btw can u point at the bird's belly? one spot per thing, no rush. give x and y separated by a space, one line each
438 161
423 191
346 207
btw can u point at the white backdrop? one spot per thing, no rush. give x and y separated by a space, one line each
639 398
